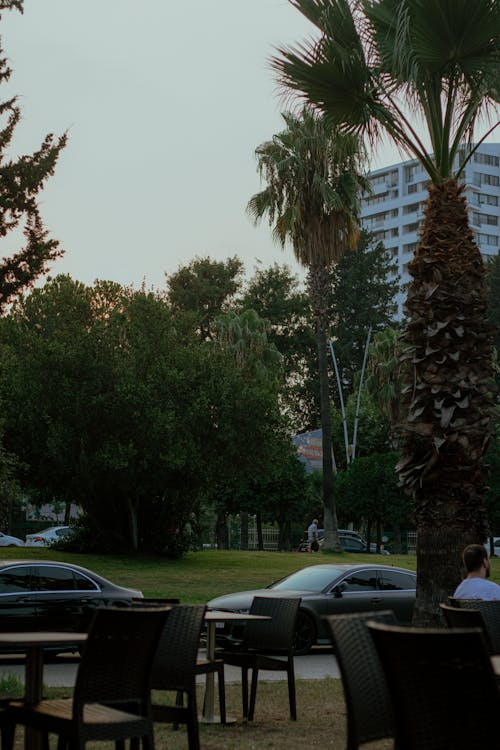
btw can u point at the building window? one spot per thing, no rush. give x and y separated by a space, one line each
410 247
493 161
483 199
486 179
481 219
410 227
489 240
411 209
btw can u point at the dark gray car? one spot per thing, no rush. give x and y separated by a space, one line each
329 590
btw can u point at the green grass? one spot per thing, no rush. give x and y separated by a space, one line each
200 576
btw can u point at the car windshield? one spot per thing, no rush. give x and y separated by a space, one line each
313 578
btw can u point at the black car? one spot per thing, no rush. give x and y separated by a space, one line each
45 595
328 590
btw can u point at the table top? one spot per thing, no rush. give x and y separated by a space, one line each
219 615
40 638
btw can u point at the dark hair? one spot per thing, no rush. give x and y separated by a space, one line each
473 557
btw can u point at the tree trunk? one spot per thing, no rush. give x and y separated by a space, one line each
221 531
244 530
448 399
260 536
318 282
132 524
284 537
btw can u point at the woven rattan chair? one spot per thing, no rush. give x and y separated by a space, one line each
442 685
490 612
369 709
463 617
176 667
111 695
264 642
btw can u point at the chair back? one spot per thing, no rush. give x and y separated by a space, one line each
369 710
177 653
461 617
490 612
276 635
116 662
443 688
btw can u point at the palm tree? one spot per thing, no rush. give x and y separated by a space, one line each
311 200
376 60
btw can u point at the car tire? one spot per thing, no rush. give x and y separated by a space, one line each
305 633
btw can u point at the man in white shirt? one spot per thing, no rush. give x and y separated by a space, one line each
475 585
312 535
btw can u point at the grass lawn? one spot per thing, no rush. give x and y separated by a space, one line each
200 576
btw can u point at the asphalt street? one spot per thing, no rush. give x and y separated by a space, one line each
60 671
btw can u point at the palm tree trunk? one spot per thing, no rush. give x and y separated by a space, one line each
448 398
318 287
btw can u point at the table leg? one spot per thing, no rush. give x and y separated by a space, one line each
33 692
208 706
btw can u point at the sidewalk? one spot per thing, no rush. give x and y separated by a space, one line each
62 673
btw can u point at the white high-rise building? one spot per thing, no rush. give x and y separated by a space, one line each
394 210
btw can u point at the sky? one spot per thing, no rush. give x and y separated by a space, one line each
164 102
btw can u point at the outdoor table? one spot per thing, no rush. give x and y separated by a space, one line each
33 644
212 617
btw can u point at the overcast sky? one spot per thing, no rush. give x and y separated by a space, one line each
165 102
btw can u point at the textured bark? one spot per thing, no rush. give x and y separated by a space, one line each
318 282
448 397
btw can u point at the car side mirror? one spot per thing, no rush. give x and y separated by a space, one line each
339 590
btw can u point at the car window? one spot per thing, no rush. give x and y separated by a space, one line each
51 578
392 580
15 579
362 580
349 543
63 532
312 578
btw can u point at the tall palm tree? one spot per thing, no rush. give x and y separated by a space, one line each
313 176
375 61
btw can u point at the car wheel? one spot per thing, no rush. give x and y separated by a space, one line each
305 633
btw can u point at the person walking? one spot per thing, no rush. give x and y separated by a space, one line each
475 585
312 535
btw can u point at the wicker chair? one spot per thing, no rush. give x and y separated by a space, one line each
443 688
463 617
369 709
490 612
176 667
264 641
111 695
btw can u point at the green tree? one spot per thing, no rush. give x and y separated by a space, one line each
384 377
441 59
274 293
204 288
364 285
21 180
311 200
493 280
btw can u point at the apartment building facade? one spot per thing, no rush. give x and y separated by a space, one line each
394 209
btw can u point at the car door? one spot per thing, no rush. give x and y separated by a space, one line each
397 592
18 606
357 592
66 598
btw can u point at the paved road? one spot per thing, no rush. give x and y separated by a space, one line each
61 671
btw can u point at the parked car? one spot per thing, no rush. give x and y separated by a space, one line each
350 541
328 590
10 541
46 595
48 536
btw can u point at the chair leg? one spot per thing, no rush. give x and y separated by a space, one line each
291 690
253 693
8 732
192 724
222 694
244 690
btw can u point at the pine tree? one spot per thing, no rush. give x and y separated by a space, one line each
21 180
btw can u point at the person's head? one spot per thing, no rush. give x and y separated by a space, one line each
315 520
476 558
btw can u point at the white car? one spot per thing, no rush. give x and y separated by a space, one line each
10 541
46 537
